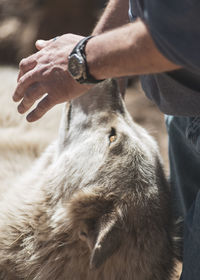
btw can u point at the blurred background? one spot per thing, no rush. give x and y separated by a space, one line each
22 22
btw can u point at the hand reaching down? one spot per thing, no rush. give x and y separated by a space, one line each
45 74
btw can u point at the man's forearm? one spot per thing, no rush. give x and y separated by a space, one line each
115 15
128 50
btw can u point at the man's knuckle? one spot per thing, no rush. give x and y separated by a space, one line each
25 104
21 80
33 93
29 96
22 63
29 78
28 62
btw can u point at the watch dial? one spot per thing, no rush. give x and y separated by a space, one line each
76 66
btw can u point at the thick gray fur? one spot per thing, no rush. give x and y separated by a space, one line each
95 206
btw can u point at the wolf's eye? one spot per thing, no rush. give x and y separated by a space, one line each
112 136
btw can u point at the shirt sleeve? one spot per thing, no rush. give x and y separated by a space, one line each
175 28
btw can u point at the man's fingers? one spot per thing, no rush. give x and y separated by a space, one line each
33 93
24 82
42 107
26 65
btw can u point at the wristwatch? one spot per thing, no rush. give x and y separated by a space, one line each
77 64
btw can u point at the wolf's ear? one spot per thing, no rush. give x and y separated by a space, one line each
103 238
99 221
107 242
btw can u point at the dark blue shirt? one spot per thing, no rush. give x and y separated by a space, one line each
175 28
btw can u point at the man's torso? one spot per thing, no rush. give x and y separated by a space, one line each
176 92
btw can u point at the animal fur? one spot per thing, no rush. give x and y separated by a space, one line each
92 207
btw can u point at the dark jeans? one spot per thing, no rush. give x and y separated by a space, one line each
184 155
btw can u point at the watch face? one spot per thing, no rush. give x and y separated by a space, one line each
76 66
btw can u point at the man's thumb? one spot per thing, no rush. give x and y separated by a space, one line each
40 44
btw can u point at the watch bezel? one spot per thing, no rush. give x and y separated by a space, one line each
76 66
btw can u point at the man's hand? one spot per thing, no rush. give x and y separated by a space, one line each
44 74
